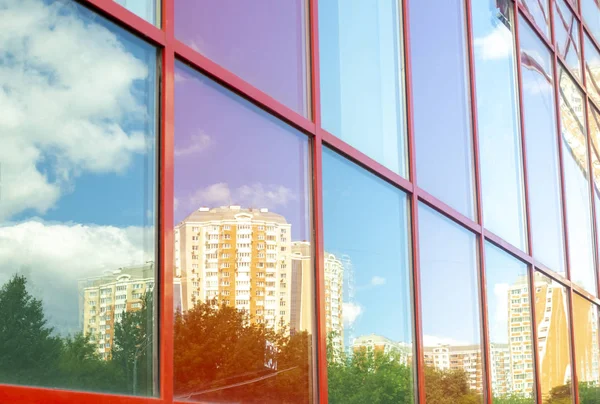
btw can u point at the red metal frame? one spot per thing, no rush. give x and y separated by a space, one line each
172 49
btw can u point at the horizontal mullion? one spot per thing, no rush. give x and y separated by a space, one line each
127 19
563 64
241 87
447 210
552 274
585 294
590 36
507 247
39 395
365 161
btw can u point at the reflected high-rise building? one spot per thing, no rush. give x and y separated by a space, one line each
457 357
106 297
238 257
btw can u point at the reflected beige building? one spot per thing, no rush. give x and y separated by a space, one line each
378 343
457 357
238 257
105 298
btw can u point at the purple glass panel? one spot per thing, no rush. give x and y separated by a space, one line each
263 42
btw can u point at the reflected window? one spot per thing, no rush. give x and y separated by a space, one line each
566 31
444 150
577 191
594 127
367 286
554 347
362 77
149 10
497 120
78 205
539 11
510 327
592 69
265 43
543 167
590 11
451 344
243 255
587 355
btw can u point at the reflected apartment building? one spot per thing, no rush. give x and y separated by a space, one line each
105 298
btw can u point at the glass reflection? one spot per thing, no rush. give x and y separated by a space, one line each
452 348
587 355
444 150
554 347
499 133
543 166
592 70
576 173
590 11
362 77
539 11
367 286
78 201
244 331
509 318
147 9
566 30
594 128
263 42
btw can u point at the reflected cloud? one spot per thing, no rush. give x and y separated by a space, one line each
198 143
377 281
350 312
498 44
255 195
61 96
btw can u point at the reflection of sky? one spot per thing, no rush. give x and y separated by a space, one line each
539 10
361 87
448 263
229 152
76 150
144 8
501 272
366 219
263 42
441 102
542 152
567 36
591 15
499 140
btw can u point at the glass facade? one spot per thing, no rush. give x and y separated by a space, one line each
303 201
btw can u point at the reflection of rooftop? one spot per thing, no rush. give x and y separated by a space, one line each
204 215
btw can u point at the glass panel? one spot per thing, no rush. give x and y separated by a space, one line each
585 326
242 250
147 9
577 189
443 144
367 286
566 30
554 347
510 327
264 43
590 10
594 127
540 12
543 166
592 69
361 77
78 203
452 348
499 133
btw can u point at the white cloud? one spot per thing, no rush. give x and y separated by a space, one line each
66 89
175 204
377 281
198 143
350 312
498 44
54 257
256 195
432 341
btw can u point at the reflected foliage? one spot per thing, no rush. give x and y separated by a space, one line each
449 387
31 353
220 355
367 376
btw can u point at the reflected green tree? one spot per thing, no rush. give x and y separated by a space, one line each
512 399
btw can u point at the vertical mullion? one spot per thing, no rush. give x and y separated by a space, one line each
317 193
166 329
486 368
530 268
564 201
414 211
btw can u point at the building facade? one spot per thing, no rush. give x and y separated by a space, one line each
300 201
